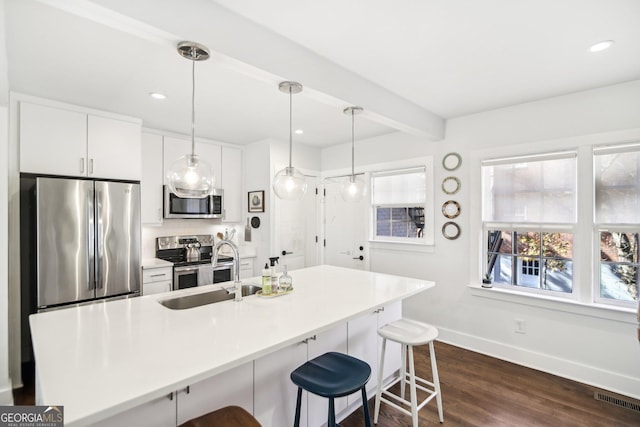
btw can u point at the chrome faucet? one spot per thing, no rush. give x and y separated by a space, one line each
236 266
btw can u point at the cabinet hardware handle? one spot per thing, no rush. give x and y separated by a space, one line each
306 340
81 164
286 253
361 258
188 389
158 275
90 166
170 396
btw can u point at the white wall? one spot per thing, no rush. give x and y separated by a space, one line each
262 160
577 345
6 397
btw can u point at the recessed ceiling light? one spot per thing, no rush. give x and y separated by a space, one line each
299 131
157 95
605 44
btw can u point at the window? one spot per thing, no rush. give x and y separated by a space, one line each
529 216
617 222
399 200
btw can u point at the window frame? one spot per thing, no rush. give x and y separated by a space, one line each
601 226
424 166
537 227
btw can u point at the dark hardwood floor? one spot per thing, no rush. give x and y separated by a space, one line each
478 390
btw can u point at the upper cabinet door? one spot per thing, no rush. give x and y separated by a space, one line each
151 181
232 183
114 148
174 148
52 141
213 154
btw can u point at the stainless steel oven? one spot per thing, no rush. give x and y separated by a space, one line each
185 277
191 270
190 276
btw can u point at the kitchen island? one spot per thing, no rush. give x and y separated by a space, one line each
102 359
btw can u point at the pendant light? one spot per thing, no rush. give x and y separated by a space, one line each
191 176
290 183
354 189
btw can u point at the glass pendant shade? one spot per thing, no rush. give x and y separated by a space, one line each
289 184
353 189
190 176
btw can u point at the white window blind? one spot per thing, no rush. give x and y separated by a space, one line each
399 187
617 184
532 189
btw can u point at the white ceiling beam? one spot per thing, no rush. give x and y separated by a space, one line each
259 52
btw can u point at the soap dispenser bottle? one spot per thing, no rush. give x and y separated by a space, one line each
266 280
286 282
274 273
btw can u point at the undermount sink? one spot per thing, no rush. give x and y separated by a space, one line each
211 297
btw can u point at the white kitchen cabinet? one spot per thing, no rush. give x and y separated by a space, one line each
392 356
232 387
174 148
246 268
231 183
156 280
365 344
213 154
275 394
334 339
151 196
57 141
52 141
160 412
113 148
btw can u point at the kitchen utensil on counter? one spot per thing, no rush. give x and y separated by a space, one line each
247 231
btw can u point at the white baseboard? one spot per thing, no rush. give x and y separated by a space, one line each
6 396
591 375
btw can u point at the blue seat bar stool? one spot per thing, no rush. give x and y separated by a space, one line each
332 375
409 333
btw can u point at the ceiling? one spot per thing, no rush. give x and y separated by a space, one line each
430 58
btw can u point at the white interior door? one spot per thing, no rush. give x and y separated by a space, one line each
296 229
346 226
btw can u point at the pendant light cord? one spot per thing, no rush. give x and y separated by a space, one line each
290 124
193 100
353 149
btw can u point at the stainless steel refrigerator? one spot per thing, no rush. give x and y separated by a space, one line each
87 240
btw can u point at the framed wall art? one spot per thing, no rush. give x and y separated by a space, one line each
256 201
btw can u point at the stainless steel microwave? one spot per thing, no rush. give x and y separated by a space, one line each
182 207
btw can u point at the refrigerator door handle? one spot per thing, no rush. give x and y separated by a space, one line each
90 213
99 239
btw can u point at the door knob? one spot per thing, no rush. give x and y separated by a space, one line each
361 258
286 253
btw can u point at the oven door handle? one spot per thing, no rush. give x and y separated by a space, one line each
185 269
223 266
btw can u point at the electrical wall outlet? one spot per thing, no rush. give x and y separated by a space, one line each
521 326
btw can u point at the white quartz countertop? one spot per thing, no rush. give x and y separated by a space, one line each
149 263
101 359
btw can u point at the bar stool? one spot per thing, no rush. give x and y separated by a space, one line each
229 416
409 333
332 375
